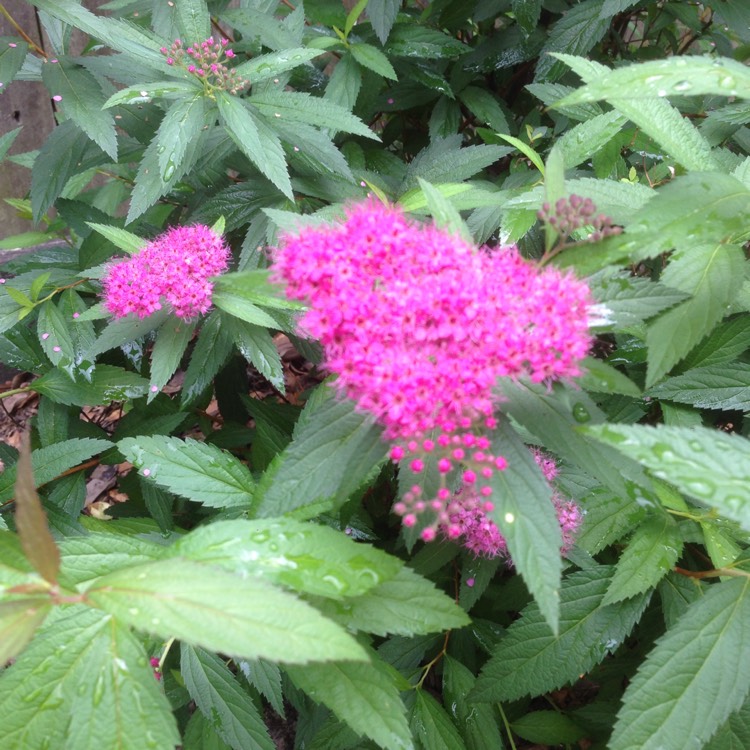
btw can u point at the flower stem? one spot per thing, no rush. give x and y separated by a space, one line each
22 33
507 727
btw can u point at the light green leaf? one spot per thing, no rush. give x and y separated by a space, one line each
526 517
525 149
735 734
530 660
23 240
603 378
83 101
705 653
144 92
222 701
675 76
108 383
443 213
725 387
709 465
581 142
182 124
171 342
83 683
271 65
193 21
307 558
125 330
19 620
205 606
49 462
301 107
547 727
405 605
365 696
373 59
198 471
432 725
334 449
717 277
55 337
127 241
725 343
651 554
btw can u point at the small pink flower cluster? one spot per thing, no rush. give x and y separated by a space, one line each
175 266
418 325
205 63
479 534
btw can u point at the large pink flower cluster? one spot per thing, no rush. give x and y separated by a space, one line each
176 267
418 325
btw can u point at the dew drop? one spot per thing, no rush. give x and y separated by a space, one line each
683 86
580 413
509 518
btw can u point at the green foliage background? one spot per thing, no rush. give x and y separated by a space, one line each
260 566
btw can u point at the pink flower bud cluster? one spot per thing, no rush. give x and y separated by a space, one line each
477 532
176 267
204 60
418 325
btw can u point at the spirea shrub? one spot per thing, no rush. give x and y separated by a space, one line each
380 375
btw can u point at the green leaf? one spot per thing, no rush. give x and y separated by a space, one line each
655 116
301 107
475 721
211 351
373 59
651 554
547 727
273 64
705 653
144 92
603 378
581 142
199 734
432 725
49 462
127 241
674 333
198 471
257 346
526 517
266 679
171 342
735 734
725 343
6 140
222 701
530 660
709 465
365 696
181 125
83 683
19 620
316 559
54 335
124 330
334 449
13 51
31 521
674 76
725 386
382 15
525 149
107 384
443 213
193 20
24 239
407 604
205 606
484 106
82 101
255 139
345 83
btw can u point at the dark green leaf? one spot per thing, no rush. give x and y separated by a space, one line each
725 386
171 342
107 384
382 15
257 346
547 727
725 343
373 59
266 679
432 725
13 51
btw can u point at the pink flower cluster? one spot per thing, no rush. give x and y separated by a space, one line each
418 325
204 60
470 525
176 267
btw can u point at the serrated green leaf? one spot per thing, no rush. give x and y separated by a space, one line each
581 142
205 606
84 681
199 734
256 140
266 679
222 701
432 725
547 727
475 721
705 653
603 378
443 213
334 449
407 604
725 343
675 76
171 342
735 733
238 306
365 696
127 241
725 387
6 141
257 346
107 384
271 65
82 100
373 59
316 559
345 83
193 20
125 330
23 240
198 471
673 334
53 333
182 124
145 92
709 465
526 517
313 110
530 660
49 462
13 51
382 15
19 620
651 553
19 298
608 518
212 349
